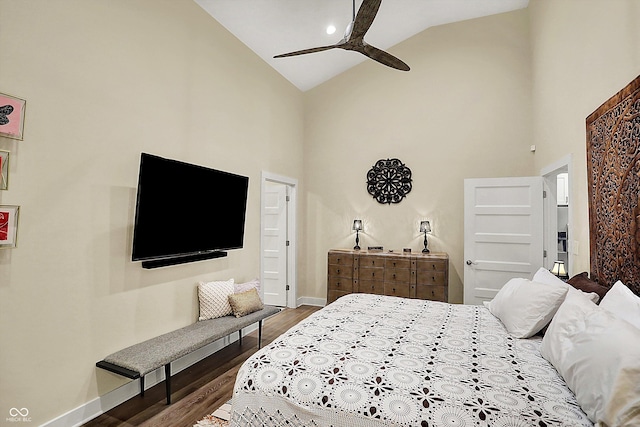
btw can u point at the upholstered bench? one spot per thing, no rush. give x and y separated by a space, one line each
140 359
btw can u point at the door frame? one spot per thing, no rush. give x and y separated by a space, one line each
292 262
550 174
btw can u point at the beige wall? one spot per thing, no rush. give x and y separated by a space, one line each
105 80
583 52
463 111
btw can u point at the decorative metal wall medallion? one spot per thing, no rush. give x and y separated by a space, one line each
389 181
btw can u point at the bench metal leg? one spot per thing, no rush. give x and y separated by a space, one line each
259 333
240 336
142 385
167 381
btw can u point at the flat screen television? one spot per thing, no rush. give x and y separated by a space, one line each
186 212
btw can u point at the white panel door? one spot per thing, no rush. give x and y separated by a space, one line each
274 235
503 233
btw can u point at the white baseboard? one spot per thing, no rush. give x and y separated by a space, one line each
92 409
318 302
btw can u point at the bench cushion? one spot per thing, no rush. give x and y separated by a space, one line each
156 352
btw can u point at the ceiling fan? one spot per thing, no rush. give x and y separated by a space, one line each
354 38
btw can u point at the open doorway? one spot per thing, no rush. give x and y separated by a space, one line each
557 213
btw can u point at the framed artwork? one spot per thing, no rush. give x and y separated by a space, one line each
8 226
11 116
4 170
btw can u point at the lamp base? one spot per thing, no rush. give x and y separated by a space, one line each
356 247
425 251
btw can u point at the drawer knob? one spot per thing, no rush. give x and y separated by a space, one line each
338 271
433 278
394 275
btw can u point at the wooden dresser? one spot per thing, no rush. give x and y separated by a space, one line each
414 275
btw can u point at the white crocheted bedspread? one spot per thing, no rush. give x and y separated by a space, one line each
369 360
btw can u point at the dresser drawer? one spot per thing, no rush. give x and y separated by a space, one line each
371 261
370 287
340 284
397 275
431 265
397 263
431 278
341 259
433 293
371 273
397 289
341 271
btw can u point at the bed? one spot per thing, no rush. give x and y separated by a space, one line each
370 360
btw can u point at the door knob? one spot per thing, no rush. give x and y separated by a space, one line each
469 262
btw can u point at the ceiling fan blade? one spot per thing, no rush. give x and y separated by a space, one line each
366 14
384 58
305 51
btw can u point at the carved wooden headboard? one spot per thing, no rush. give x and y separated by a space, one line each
613 172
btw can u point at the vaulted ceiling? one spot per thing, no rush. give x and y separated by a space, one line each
272 27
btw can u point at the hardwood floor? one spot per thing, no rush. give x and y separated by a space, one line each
203 387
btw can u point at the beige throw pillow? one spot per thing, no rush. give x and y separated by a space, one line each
245 302
214 299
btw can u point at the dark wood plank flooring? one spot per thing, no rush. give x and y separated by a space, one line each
201 388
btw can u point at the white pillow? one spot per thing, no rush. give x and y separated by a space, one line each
525 307
545 276
247 286
598 356
214 299
622 303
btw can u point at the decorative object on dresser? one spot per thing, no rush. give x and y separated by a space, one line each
614 188
425 227
389 181
358 227
410 275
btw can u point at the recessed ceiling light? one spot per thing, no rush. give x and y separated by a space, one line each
331 29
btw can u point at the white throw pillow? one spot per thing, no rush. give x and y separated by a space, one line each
598 355
247 286
525 307
622 303
545 276
214 299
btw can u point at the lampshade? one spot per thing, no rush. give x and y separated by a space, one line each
425 227
357 225
558 269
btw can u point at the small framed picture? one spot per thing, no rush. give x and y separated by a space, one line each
11 116
8 226
4 170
